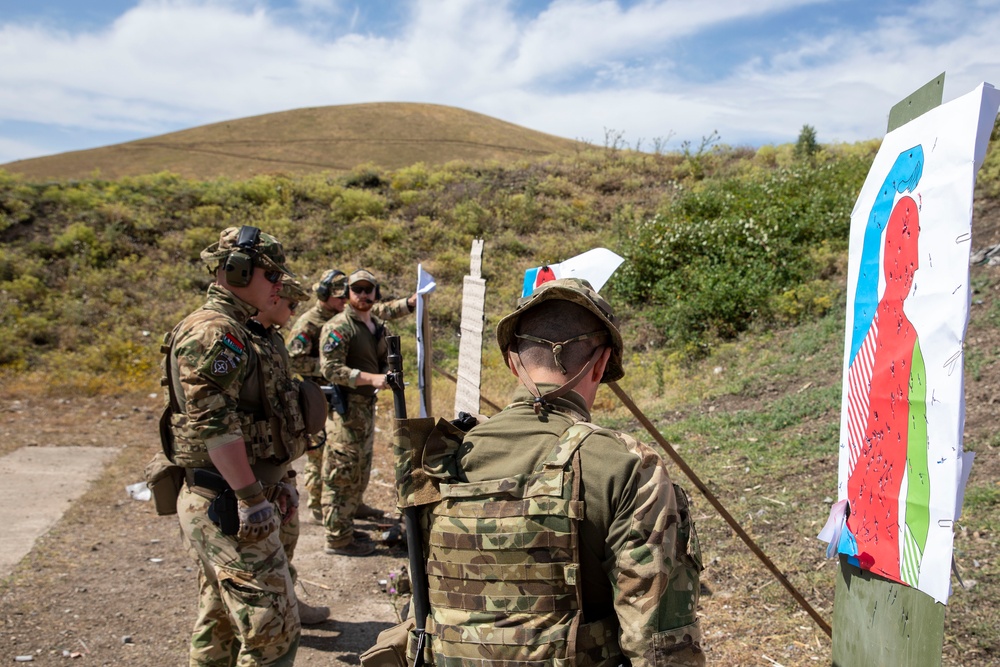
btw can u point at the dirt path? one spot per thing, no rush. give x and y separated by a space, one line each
111 584
38 475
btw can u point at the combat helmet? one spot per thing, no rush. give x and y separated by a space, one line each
574 290
245 247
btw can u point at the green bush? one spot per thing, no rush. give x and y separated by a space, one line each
714 258
717 239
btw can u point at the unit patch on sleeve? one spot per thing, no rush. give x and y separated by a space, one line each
332 341
223 360
299 345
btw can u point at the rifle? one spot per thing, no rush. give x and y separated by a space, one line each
335 397
411 515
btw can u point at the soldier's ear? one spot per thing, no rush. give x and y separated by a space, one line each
597 372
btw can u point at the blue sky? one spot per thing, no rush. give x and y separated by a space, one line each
79 74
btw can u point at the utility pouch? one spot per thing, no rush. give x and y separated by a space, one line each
313 406
390 647
224 513
164 480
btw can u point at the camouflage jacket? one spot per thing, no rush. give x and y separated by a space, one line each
639 553
304 336
215 380
349 348
303 340
284 409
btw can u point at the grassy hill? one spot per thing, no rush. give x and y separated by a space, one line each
731 297
333 138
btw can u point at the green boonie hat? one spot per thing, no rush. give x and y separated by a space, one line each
267 252
575 291
293 291
362 274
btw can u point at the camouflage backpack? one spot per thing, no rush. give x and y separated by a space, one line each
503 559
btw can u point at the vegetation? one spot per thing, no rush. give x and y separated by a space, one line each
718 241
731 296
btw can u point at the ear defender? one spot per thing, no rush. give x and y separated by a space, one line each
326 284
239 263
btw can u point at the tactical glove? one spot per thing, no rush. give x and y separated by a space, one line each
257 519
287 501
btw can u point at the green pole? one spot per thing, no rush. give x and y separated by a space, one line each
877 622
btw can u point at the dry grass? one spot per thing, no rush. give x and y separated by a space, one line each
333 138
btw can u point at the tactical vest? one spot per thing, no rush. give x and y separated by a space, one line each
265 432
286 419
503 560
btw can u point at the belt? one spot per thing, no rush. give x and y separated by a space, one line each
209 479
206 478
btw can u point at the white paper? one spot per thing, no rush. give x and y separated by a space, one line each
901 461
425 285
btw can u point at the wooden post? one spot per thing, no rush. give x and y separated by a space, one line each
877 622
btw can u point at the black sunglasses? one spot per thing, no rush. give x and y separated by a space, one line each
272 276
292 305
358 289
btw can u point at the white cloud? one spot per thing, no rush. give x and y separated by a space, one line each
574 69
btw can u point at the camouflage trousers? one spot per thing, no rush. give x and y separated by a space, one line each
247 611
347 465
288 535
312 476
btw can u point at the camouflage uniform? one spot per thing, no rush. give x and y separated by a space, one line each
303 349
639 554
274 356
549 540
348 348
247 609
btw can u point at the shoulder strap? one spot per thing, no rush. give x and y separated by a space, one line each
167 350
173 406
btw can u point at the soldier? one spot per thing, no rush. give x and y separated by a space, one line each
557 541
303 348
274 358
353 355
235 458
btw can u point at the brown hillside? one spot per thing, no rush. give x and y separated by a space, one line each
333 138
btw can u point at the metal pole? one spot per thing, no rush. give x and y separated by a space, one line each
411 515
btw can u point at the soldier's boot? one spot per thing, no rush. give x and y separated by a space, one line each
368 512
310 615
355 547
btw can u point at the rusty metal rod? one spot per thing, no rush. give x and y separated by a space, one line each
686 469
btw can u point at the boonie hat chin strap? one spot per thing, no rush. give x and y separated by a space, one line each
557 348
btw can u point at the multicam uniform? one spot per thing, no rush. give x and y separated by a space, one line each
219 379
538 556
270 347
349 348
303 350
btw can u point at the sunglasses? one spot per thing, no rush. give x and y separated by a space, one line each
292 305
358 289
272 277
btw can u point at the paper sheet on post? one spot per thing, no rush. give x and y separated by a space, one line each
425 285
595 266
901 465
470 346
